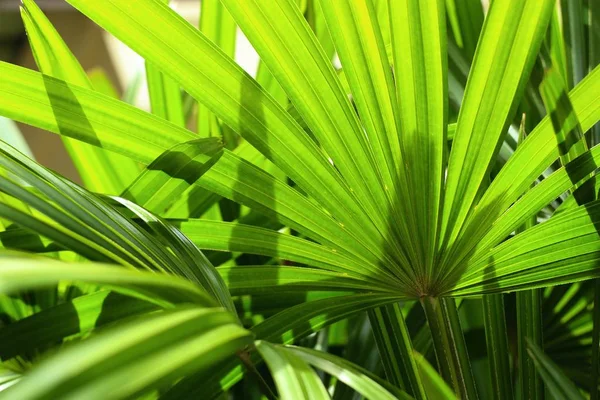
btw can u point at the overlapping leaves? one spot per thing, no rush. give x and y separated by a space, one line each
367 157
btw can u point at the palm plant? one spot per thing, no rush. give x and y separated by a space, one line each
407 184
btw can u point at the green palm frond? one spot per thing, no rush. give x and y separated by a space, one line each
392 183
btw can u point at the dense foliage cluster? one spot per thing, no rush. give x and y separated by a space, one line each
402 203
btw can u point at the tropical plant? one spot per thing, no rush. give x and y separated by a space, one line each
369 223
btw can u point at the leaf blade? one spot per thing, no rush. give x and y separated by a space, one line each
96 167
420 71
352 375
487 106
174 342
215 80
73 111
292 375
558 384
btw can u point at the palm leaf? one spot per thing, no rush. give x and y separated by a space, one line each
172 342
221 78
487 106
558 385
96 167
293 376
94 118
21 273
357 378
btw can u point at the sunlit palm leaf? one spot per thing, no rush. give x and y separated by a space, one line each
98 168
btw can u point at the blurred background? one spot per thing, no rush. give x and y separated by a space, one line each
97 51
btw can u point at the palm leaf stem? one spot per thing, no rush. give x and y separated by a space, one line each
449 345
